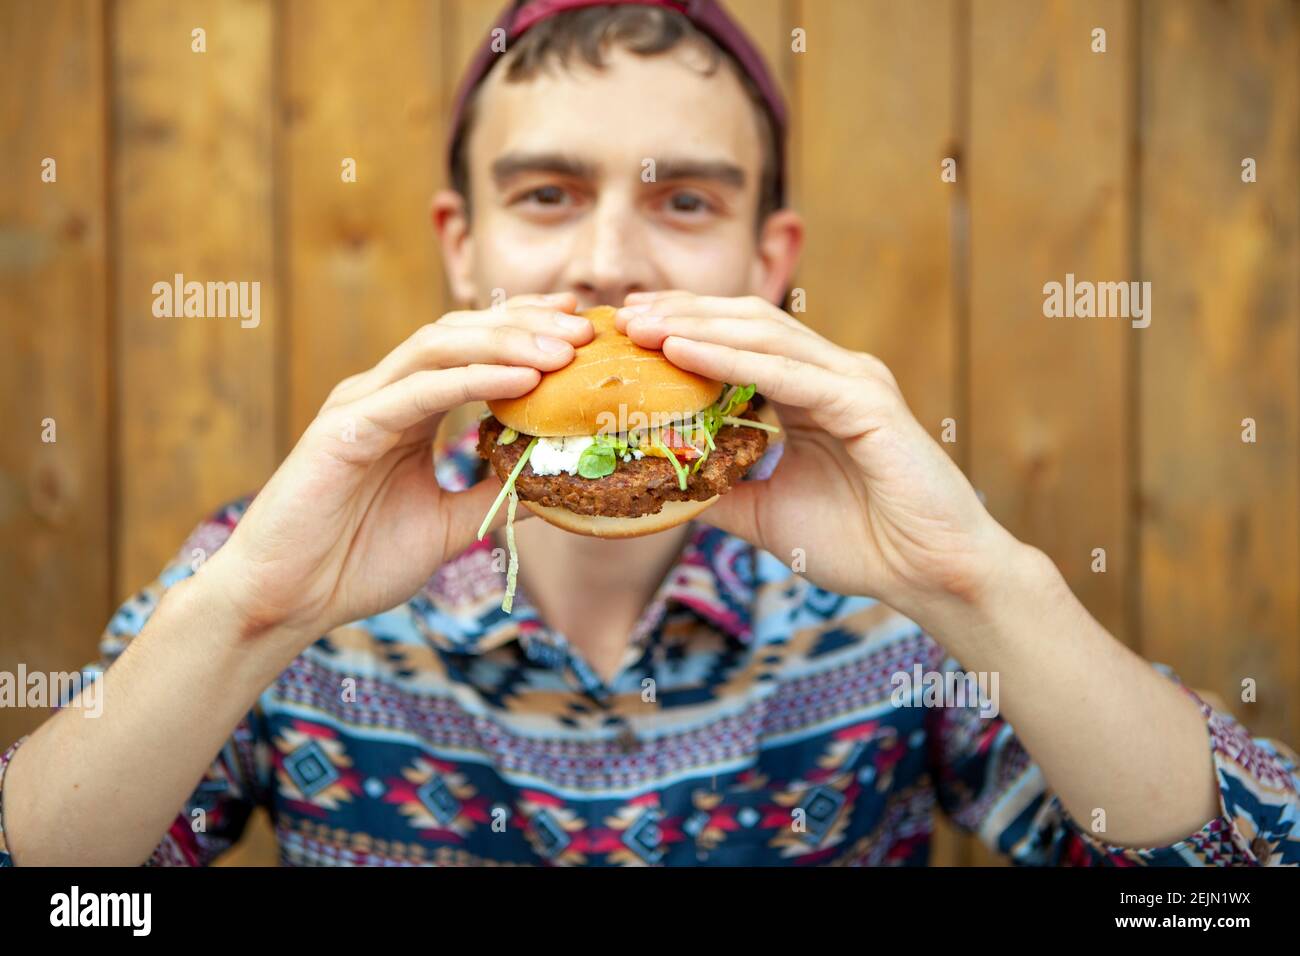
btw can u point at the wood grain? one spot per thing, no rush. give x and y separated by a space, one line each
1219 526
363 267
54 497
1050 196
193 186
876 117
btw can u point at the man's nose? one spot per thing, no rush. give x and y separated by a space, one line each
611 256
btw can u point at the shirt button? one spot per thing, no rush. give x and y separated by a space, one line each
1261 848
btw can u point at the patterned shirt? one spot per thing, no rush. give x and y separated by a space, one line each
755 721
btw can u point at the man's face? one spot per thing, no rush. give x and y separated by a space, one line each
563 198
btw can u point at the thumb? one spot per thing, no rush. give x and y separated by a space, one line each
464 512
737 512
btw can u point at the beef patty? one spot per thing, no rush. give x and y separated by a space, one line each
637 487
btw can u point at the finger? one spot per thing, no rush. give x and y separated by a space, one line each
463 513
685 303
842 405
400 405
444 347
638 321
632 298
755 334
565 301
737 512
644 308
536 318
533 336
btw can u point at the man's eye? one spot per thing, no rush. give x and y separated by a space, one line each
544 196
688 202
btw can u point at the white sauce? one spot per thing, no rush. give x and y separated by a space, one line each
554 455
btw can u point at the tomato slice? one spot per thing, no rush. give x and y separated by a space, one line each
683 450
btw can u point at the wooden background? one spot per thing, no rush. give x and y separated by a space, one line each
1082 433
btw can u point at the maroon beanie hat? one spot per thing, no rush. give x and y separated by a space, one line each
706 15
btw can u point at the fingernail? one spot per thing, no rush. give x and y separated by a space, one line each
549 343
631 311
644 320
574 323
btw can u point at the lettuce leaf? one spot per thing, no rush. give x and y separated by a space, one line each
597 460
506 488
672 460
512 570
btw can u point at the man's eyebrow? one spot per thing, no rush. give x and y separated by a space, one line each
668 168
513 164
719 170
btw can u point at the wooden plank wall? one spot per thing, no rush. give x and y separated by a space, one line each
192 191
1217 526
56 501
1082 433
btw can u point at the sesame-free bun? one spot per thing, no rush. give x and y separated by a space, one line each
608 372
670 515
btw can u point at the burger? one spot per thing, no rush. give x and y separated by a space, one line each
620 442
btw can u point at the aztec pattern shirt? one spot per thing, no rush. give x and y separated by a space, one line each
754 722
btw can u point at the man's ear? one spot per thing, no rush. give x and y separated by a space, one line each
780 243
451 223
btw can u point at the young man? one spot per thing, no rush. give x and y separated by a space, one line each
683 698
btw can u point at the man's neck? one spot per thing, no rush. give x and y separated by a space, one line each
593 590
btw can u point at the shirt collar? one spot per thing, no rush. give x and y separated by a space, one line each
459 608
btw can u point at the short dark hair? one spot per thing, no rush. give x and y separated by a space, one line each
643 30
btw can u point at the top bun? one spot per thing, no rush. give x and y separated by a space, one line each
608 372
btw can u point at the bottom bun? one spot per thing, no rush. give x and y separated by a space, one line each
670 515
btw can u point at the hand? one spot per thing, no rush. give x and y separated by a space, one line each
874 503
354 521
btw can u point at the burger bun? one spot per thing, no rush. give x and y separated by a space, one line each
611 381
